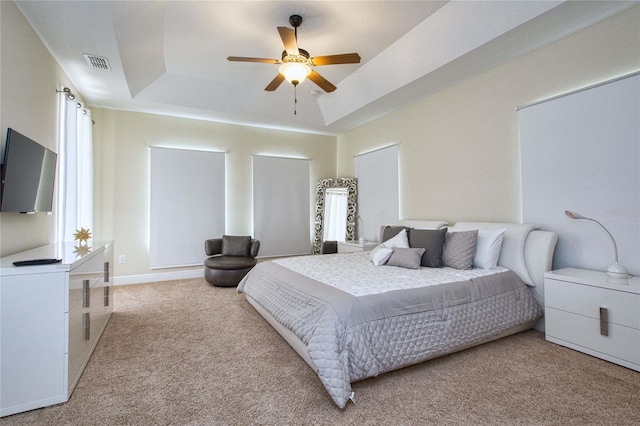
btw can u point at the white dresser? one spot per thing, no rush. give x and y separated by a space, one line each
592 313
353 246
52 317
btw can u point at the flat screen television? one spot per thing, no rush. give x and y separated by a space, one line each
28 175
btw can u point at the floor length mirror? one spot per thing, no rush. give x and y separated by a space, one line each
335 211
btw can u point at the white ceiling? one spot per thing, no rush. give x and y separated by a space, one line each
170 57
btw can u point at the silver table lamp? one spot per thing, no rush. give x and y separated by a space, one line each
614 270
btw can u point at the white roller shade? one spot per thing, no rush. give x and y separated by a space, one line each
281 212
581 152
378 190
187 205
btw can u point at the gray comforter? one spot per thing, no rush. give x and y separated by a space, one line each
350 338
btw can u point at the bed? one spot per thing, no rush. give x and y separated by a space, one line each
350 318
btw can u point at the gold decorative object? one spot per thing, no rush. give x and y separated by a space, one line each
82 235
82 250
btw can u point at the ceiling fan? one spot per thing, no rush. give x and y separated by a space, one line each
296 63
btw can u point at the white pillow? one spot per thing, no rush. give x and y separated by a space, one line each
488 248
400 240
381 254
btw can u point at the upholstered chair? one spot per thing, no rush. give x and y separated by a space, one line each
231 258
329 247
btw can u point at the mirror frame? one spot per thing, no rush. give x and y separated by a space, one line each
352 191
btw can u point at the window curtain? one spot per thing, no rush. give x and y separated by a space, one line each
335 215
75 168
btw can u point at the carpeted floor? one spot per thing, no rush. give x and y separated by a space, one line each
185 353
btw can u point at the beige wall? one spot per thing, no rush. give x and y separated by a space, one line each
29 77
459 149
121 150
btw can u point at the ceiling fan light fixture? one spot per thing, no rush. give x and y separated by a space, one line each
295 72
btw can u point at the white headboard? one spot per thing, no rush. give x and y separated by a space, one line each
421 224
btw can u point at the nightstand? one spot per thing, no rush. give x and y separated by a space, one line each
353 246
592 313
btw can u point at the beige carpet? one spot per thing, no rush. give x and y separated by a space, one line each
186 353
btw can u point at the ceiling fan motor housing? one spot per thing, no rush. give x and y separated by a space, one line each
295 20
302 57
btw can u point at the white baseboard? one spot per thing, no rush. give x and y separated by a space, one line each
161 276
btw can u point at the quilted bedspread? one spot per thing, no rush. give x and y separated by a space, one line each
352 334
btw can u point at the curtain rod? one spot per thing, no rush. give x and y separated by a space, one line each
72 97
593 86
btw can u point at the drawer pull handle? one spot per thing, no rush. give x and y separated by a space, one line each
86 293
86 326
604 321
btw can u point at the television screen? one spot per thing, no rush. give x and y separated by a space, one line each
28 175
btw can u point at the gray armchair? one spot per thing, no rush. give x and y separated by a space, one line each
231 258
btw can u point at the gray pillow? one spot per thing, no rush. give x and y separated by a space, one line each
233 245
432 241
460 249
406 257
389 232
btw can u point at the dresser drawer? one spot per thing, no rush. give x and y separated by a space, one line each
622 308
92 271
622 342
79 345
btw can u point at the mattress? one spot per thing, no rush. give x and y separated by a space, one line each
358 321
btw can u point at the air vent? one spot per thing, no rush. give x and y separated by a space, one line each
97 62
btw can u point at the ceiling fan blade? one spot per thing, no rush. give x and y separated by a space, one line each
288 37
345 58
321 81
275 83
243 59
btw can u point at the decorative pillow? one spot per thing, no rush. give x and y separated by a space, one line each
389 232
459 249
400 240
488 248
380 255
432 241
406 257
233 245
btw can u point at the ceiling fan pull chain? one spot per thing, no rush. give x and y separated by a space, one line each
295 99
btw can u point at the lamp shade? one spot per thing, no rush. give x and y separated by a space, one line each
614 270
574 215
295 72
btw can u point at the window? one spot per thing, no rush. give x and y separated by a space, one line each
378 190
187 205
281 205
581 152
74 207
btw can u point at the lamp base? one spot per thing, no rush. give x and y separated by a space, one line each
617 271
